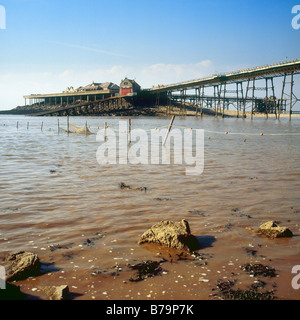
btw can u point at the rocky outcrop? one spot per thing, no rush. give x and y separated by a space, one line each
271 230
20 265
172 235
56 292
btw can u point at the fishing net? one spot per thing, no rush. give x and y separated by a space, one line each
84 130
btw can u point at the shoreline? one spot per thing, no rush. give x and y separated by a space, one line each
205 274
158 111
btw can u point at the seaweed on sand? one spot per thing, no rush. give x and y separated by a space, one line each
146 270
259 270
253 292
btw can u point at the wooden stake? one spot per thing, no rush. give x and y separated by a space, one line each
58 125
17 124
42 126
105 127
170 126
129 130
68 125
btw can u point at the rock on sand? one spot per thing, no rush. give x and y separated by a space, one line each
56 292
20 265
271 230
172 235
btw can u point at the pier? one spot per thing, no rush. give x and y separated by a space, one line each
240 89
246 91
89 107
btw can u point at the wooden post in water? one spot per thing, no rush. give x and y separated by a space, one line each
85 128
17 124
68 125
27 125
105 127
42 126
58 125
129 130
170 126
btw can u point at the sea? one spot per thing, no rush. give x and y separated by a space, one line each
63 204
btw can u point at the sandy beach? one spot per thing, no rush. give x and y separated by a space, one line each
60 204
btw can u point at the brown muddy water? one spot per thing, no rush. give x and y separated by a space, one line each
59 203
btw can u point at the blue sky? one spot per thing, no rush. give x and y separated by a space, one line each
49 44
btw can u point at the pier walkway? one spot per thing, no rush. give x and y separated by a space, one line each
241 86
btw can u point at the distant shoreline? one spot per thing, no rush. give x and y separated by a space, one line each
153 111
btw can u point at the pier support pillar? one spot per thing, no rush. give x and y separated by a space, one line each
282 94
253 90
291 96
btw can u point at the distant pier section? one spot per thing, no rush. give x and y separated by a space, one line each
92 99
91 92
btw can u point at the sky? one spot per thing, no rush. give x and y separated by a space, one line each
49 45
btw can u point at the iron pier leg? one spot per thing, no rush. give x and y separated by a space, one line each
237 99
291 97
184 103
274 98
244 106
224 100
202 101
253 90
267 98
219 98
282 93
197 92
